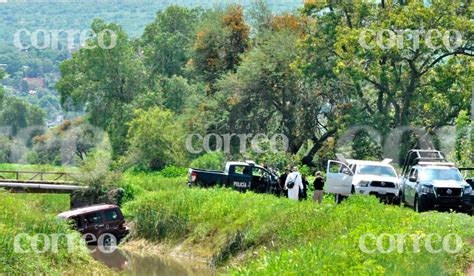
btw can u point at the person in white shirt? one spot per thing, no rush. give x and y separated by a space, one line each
295 178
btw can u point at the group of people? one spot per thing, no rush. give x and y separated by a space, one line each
294 185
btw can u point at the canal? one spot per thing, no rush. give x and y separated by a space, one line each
129 263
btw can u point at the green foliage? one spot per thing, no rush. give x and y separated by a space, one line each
105 80
277 236
178 93
173 171
155 139
365 148
305 170
141 182
404 85
31 215
17 115
221 38
167 40
214 160
464 145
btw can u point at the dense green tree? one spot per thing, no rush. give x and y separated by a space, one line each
178 93
267 95
166 42
408 83
155 139
104 80
464 146
17 114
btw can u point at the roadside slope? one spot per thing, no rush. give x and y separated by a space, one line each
261 234
32 215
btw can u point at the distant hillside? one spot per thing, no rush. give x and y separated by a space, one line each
132 15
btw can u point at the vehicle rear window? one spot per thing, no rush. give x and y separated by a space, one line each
242 170
111 215
93 218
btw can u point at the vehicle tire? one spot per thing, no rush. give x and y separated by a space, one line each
108 239
338 198
418 206
352 190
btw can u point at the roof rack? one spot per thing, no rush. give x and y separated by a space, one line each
419 156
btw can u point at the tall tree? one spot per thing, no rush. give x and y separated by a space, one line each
221 38
398 84
104 80
266 94
166 42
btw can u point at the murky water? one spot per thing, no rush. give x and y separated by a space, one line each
128 263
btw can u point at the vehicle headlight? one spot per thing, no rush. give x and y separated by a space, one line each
364 183
427 189
467 190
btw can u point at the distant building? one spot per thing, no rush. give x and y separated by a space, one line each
57 121
34 83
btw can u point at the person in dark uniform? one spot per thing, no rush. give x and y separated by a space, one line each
318 187
304 192
282 182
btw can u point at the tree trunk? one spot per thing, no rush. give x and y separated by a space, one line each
318 142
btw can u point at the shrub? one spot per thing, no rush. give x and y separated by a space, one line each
211 161
173 171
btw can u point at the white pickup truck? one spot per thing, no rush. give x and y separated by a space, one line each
346 177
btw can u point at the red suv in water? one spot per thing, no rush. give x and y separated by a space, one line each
98 223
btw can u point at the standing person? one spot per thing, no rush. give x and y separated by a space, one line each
294 183
318 187
304 191
282 182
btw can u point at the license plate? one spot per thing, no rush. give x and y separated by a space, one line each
382 192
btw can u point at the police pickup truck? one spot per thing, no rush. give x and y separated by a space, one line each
430 182
241 176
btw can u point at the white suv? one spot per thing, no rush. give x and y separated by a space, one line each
348 177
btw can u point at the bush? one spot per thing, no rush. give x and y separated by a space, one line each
214 160
173 171
155 139
140 182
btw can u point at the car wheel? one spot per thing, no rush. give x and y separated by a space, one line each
418 205
109 240
338 198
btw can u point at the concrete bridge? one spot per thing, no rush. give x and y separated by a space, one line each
39 182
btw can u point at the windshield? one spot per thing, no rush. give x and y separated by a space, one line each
377 170
428 174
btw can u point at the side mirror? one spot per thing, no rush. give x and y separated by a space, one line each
412 179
